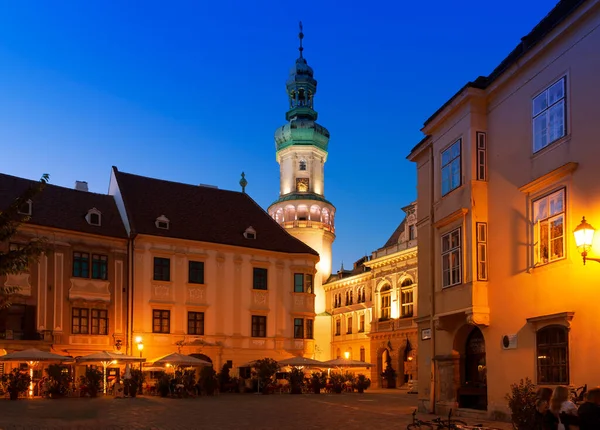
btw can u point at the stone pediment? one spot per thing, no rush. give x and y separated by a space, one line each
21 281
89 289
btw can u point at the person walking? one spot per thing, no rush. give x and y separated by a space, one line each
562 414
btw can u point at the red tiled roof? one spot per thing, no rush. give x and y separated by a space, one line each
65 208
202 213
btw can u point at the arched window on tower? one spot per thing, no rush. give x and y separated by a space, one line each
302 165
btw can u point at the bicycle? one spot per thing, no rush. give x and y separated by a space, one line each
418 424
450 423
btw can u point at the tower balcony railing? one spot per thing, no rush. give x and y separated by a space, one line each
308 224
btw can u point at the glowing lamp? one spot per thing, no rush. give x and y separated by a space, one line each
584 236
347 355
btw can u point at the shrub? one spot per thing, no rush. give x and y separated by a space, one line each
265 368
58 383
296 380
521 401
16 382
362 383
93 380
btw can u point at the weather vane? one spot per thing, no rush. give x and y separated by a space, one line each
301 36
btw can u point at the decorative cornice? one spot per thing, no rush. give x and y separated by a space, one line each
404 255
549 178
451 218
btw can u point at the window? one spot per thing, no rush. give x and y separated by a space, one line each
481 156
161 321
259 326
451 259
407 303
99 321
302 165
162 269
338 327
25 208
298 328
412 232
338 353
298 282
260 278
81 265
162 222
553 355
349 326
99 266
80 321
250 233
386 301
18 322
95 219
549 221
196 272
196 323
482 260
362 354
549 115
361 324
451 169
309 329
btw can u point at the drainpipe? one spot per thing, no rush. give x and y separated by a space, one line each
432 274
129 337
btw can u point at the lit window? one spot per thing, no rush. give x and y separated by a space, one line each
407 302
259 326
161 321
196 323
100 321
549 220
451 259
386 302
549 115
451 169
553 355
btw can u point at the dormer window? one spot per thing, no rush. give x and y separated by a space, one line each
302 165
250 233
25 208
94 217
162 222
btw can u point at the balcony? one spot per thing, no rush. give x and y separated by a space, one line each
308 224
303 302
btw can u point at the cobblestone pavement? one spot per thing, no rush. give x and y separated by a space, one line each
390 409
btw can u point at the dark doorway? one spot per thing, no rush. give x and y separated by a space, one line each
473 391
201 357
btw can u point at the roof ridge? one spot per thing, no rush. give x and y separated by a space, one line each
49 184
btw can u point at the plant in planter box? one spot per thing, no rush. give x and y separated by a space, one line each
521 401
93 380
265 369
296 380
361 383
208 380
16 382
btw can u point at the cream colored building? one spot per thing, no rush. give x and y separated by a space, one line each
72 301
373 306
505 174
212 274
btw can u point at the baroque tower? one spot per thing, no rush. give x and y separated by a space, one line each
301 151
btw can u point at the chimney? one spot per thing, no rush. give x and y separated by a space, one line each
81 186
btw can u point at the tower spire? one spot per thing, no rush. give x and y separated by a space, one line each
300 36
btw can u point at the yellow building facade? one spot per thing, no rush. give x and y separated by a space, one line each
505 174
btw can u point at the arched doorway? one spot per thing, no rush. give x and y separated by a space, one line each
388 375
473 391
202 357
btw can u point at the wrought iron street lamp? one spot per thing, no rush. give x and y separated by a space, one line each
584 236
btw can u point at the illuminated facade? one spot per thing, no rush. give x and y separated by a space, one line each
373 306
301 151
72 301
505 175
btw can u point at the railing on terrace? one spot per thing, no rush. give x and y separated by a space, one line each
394 248
307 223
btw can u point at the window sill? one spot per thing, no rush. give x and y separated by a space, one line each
551 146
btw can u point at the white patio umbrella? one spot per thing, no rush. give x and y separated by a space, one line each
32 357
301 362
176 359
106 358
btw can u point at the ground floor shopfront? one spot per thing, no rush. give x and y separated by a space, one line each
397 348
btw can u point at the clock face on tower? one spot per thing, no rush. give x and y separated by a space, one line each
302 185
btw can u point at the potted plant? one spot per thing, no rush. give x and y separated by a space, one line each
296 380
163 384
224 378
93 380
58 380
318 381
362 383
337 380
16 382
208 380
521 402
265 369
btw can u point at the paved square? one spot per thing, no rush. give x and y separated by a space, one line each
375 409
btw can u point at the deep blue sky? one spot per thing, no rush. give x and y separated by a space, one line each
192 91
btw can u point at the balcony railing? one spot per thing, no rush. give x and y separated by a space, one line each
307 224
394 248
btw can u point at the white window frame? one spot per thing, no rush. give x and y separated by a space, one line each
481 138
451 247
162 222
450 159
407 307
547 119
27 204
386 302
543 217
482 252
